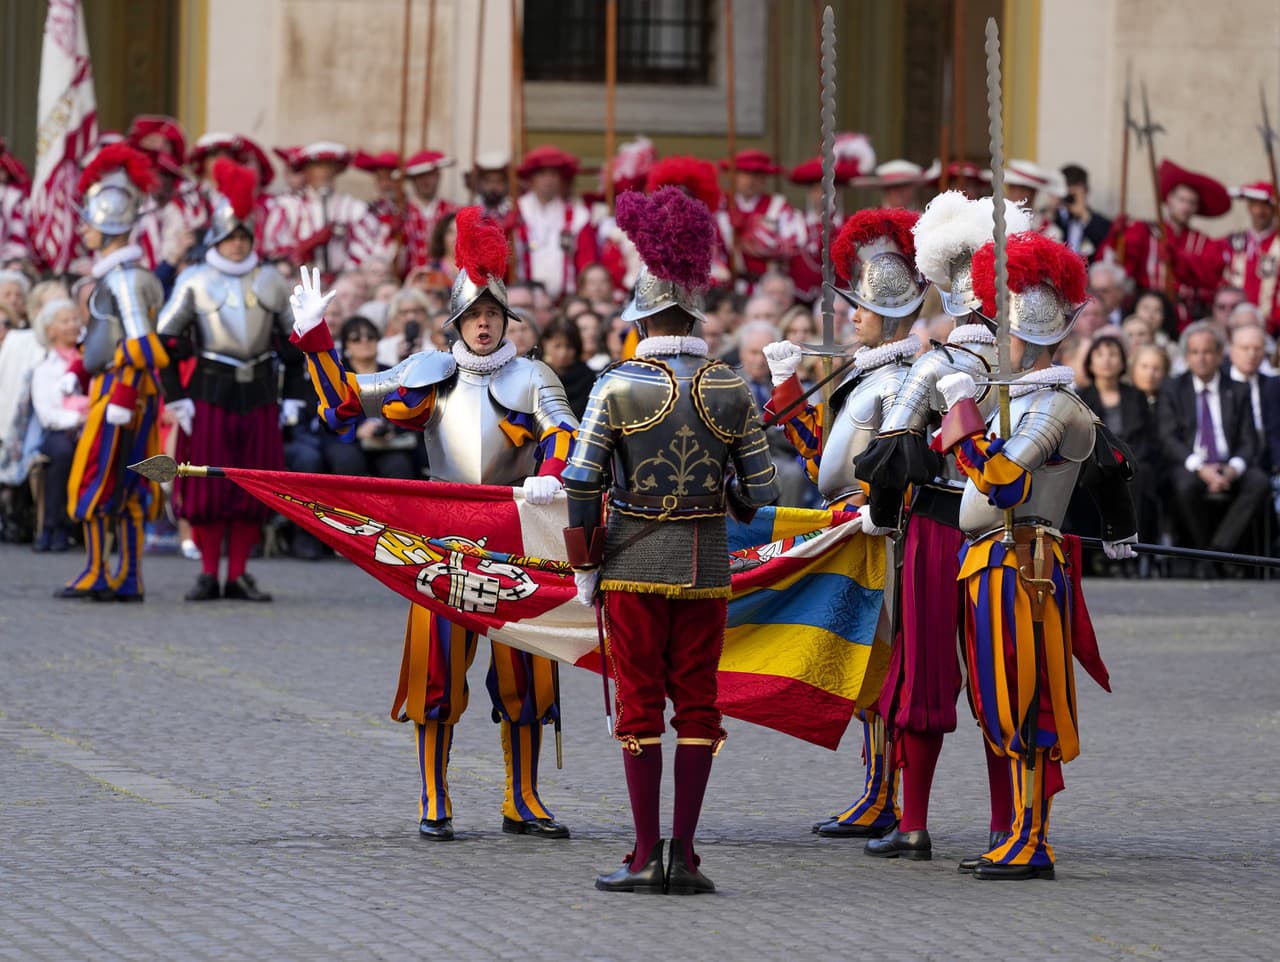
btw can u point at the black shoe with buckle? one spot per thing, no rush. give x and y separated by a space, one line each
915 845
835 829
967 865
646 880
436 829
994 872
536 827
683 878
244 588
205 589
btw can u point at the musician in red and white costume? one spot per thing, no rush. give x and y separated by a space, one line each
758 229
386 206
178 212
15 184
630 169
554 237
272 237
424 207
1253 255
900 181
854 156
327 226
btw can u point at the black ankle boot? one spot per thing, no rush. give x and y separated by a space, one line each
683 878
647 880
205 589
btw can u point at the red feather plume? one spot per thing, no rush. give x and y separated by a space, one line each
1033 259
481 248
136 165
236 183
696 176
867 225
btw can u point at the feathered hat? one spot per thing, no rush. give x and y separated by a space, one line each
951 228
696 177
237 188
631 166
875 254
481 254
112 187
1047 286
674 235
12 166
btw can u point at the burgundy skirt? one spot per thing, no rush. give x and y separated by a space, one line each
227 439
924 678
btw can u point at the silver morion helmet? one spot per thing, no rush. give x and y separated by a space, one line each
653 294
1039 315
885 281
466 292
111 204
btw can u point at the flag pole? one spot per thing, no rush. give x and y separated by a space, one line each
610 95
426 77
517 100
475 93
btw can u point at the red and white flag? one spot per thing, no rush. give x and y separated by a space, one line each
67 129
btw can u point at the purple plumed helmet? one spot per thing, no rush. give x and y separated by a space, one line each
674 235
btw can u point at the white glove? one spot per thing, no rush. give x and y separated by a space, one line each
291 410
956 388
68 384
586 582
783 358
308 303
1120 550
184 412
869 526
541 489
118 414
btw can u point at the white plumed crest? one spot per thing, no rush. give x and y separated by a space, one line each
952 225
855 148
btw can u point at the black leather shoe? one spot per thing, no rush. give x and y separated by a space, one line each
134 598
826 821
205 589
967 865
102 594
436 829
647 880
244 588
991 872
684 879
537 827
915 845
66 591
834 829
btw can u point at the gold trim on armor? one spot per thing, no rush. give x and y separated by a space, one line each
717 371
670 591
632 421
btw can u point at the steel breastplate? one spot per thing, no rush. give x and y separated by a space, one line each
464 438
230 319
104 333
855 426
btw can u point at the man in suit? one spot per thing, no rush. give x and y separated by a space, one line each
1083 229
1245 354
1211 446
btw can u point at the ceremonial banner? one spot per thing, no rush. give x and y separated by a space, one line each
67 127
801 650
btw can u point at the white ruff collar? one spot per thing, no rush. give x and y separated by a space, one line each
228 266
672 344
483 363
1059 375
130 252
873 357
971 334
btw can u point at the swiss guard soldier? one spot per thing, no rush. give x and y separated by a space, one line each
918 701
661 557
121 355
1253 255
232 314
875 253
1017 596
487 417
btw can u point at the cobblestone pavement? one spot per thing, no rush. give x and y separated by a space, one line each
222 781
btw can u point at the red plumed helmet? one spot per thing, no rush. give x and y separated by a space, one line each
119 156
696 176
238 184
887 228
1033 259
481 248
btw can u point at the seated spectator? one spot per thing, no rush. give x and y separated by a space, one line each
1210 445
380 449
594 350
1248 315
1109 285
1248 349
1225 300
407 321
797 327
763 309
1090 320
1156 309
1136 332
615 335
1148 372
44 292
385 291
350 291
1124 410
441 247
14 288
779 288
561 346
573 306
712 330
61 414
525 336
375 311
595 285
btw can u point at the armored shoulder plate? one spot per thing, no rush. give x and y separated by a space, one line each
272 290
723 401
424 369
918 398
518 383
138 296
179 310
638 394
1051 422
